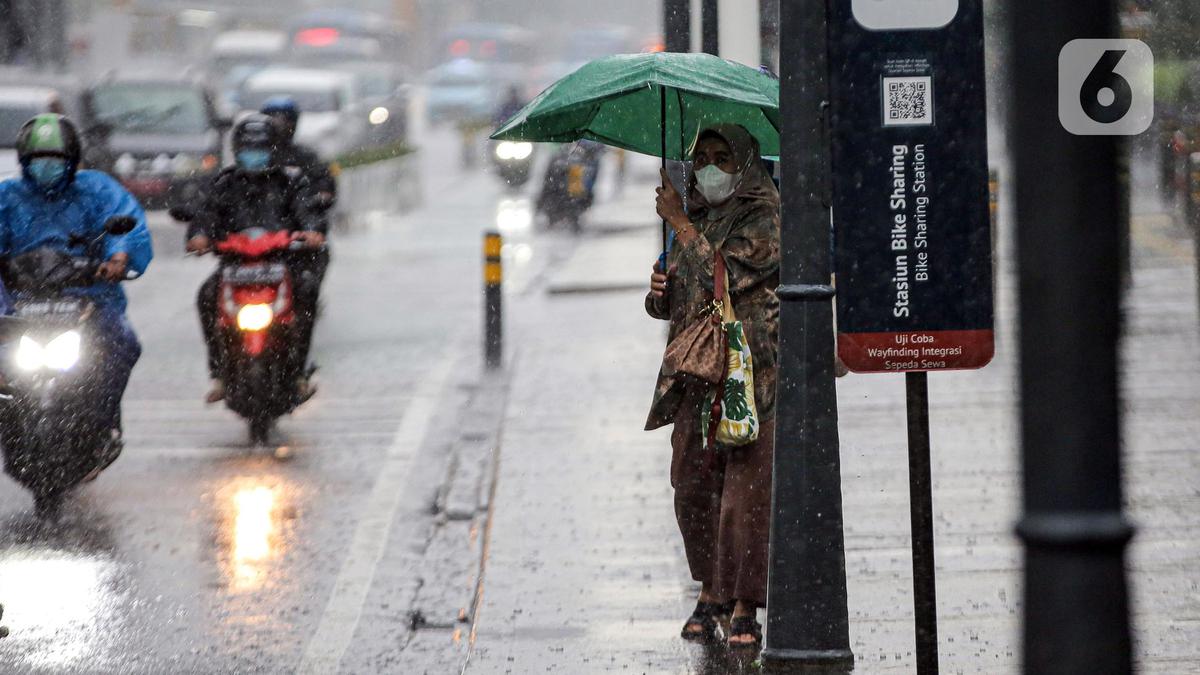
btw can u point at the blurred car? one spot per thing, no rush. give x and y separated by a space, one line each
164 132
490 43
332 117
20 102
324 36
583 45
384 100
17 105
236 55
465 91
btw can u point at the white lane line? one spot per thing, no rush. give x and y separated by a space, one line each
342 613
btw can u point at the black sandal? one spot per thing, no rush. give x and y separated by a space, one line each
745 625
705 616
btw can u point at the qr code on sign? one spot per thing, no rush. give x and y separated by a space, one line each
907 101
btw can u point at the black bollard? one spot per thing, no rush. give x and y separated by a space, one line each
493 284
1193 209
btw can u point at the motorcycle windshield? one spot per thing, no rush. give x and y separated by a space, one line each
45 272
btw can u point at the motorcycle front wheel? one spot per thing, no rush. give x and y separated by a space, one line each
260 430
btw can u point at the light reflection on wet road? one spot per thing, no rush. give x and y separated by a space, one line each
195 553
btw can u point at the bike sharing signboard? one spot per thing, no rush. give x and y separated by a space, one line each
912 227
910 185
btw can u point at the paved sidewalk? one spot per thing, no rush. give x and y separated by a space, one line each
584 568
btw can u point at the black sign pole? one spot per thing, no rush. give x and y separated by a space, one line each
920 490
710 31
1068 219
807 614
677 25
913 254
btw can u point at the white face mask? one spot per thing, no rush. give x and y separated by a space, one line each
715 184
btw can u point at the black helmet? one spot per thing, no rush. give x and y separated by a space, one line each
256 131
49 135
285 112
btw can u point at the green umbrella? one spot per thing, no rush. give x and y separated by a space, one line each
654 104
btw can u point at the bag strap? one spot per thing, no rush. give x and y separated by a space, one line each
721 288
720 277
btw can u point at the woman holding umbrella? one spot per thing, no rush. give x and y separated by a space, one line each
722 497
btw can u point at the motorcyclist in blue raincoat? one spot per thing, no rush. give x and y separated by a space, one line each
54 204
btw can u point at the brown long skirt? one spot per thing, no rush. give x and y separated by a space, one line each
723 506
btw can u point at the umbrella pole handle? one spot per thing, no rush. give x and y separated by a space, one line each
662 94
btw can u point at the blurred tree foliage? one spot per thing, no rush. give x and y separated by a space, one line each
1176 31
1173 32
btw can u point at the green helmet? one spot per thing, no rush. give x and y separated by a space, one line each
49 135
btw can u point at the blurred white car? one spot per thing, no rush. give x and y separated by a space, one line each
237 54
17 105
331 119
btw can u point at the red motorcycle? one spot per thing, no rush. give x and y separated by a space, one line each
256 326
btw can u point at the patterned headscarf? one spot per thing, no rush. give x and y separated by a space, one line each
754 183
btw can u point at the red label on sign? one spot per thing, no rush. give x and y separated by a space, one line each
916 351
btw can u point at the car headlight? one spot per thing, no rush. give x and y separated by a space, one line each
125 165
161 164
379 115
184 164
61 353
511 150
255 317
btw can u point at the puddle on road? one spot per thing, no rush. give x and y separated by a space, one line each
60 607
254 532
253 513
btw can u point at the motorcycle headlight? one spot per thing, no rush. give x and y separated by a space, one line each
62 353
511 150
255 317
30 355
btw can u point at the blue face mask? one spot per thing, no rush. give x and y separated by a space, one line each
254 160
47 172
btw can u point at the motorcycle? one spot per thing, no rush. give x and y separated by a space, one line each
569 185
53 433
513 162
256 318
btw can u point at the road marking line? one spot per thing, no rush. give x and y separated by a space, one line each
344 609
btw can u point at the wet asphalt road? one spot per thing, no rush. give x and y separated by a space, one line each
197 553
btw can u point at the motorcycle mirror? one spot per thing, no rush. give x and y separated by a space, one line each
118 225
182 214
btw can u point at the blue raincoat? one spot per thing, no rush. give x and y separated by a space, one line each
29 219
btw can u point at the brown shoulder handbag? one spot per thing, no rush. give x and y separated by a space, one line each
699 350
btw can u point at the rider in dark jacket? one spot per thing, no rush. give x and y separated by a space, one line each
299 162
257 193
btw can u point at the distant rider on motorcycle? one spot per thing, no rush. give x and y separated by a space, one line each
300 163
256 193
54 204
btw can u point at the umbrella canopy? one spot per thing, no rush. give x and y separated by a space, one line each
655 104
